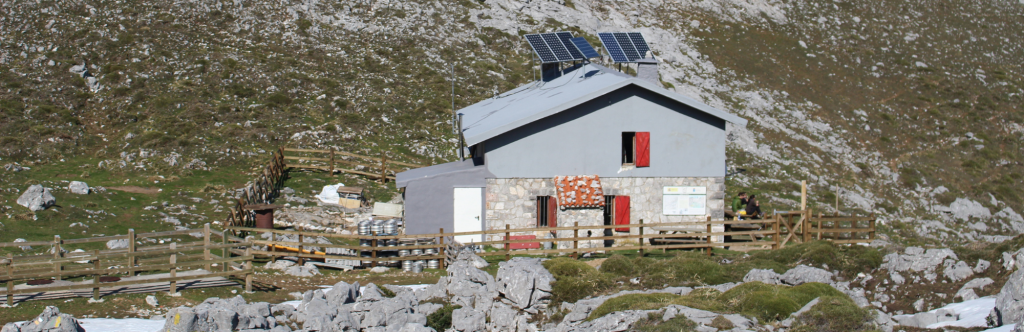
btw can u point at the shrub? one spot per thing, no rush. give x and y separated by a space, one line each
654 323
835 314
633 302
722 323
441 319
575 280
619 265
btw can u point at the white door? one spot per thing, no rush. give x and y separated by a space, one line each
468 209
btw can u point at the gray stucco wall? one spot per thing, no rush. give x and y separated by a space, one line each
430 202
587 139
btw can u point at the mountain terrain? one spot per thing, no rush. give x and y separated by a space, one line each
907 109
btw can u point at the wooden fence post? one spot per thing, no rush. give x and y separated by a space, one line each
174 269
272 247
10 279
383 167
373 248
575 240
709 237
131 252
871 227
778 233
641 238
332 160
508 246
206 246
819 226
223 251
57 266
443 259
301 261
806 216
248 267
96 275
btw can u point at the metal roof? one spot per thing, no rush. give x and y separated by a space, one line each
537 100
402 179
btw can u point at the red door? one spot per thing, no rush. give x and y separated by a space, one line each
622 213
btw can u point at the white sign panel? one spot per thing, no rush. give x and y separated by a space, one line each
684 201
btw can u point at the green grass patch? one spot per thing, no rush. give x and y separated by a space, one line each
835 313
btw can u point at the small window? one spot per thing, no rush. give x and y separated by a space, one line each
628 148
636 149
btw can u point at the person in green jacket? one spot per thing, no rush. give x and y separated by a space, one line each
739 203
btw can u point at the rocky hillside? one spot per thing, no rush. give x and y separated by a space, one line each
911 110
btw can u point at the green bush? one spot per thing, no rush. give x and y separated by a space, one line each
575 280
654 323
441 319
633 302
849 260
618 265
835 314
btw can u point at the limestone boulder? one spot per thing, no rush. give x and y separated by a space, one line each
1010 301
51 320
78 188
524 281
767 276
36 198
803 274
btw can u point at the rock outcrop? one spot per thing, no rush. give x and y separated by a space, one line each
525 282
1010 301
51 320
37 198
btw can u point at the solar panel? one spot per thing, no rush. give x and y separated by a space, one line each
639 43
556 47
566 39
585 48
627 46
541 48
610 44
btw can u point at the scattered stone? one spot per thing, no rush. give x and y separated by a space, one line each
37 198
957 270
26 248
524 281
967 291
280 264
803 274
981 266
78 188
379 269
117 244
467 254
13 168
151 301
307 270
767 276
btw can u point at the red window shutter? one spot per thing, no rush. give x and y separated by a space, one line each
622 213
552 211
643 149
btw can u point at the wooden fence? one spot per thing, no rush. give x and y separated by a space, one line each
112 264
377 168
772 233
264 188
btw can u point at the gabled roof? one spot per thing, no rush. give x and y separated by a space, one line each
537 100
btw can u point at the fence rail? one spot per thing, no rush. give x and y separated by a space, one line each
262 190
384 169
127 262
773 233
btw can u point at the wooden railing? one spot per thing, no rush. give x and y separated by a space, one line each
172 258
264 189
772 233
377 168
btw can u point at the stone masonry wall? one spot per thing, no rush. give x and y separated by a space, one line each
514 202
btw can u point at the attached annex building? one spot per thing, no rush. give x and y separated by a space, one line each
623 149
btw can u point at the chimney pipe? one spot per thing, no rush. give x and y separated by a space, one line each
647 70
